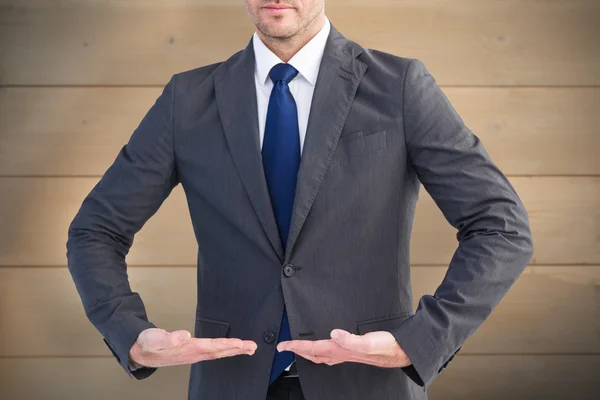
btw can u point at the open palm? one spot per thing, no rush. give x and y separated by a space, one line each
156 347
375 348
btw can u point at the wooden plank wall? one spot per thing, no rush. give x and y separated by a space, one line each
76 76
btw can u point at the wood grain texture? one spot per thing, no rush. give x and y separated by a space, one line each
67 131
35 214
466 378
86 378
79 131
519 377
549 310
564 215
480 43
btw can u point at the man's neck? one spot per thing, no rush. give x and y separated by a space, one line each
286 48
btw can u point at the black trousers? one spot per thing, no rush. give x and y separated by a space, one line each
285 389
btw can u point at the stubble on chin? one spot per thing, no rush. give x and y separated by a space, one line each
281 33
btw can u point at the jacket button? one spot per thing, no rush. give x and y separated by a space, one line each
269 337
289 270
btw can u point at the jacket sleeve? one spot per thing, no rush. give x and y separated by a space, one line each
476 198
101 234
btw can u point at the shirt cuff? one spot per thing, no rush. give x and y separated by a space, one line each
134 366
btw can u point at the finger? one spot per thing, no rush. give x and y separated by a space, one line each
223 347
157 340
362 359
331 352
223 353
172 340
183 335
213 344
177 338
193 357
320 351
365 344
191 352
320 359
322 348
307 346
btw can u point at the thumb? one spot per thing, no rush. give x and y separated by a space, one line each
341 337
179 337
350 341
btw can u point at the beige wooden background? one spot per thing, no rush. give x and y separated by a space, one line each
77 76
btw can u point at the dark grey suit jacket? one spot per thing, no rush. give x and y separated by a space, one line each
379 126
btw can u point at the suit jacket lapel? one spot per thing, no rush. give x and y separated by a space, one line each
235 92
339 76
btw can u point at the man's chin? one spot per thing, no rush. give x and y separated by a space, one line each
278 30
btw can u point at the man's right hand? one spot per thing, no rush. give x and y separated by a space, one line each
156 347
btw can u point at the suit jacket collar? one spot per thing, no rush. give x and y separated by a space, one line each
339 76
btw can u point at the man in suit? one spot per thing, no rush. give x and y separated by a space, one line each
301 158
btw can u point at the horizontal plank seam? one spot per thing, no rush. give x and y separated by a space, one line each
592 354
157 86
13 176
558 265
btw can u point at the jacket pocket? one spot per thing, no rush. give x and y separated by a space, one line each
211 328
386 323
362 142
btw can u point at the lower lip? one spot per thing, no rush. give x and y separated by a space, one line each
277 10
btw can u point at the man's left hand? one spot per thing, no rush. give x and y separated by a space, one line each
376 348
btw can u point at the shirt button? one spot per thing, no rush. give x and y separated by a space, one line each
289 270
269 337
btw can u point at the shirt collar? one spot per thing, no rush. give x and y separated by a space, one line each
307 60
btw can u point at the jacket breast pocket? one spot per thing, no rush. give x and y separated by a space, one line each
211 328
360 145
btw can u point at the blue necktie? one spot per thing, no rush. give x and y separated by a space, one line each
281 160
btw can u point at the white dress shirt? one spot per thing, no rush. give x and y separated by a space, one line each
307 61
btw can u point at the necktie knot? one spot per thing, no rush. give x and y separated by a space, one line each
283 72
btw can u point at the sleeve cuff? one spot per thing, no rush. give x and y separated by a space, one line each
133 365
426 353
139 371
121 336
